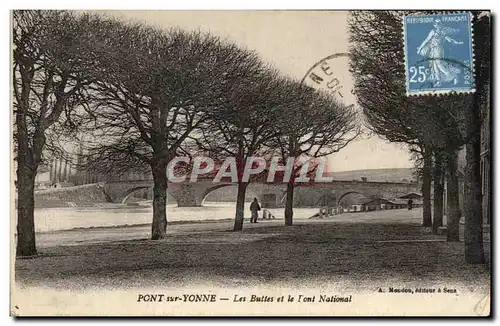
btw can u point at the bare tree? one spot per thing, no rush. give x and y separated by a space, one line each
428 124
52 64
244 124
377 64
313 125
159 88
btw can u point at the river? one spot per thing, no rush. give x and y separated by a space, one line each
53 219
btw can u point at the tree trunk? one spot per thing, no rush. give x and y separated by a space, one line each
66 172
473 233
474 251
426 190
54 176
26 244
438 194
27 165
159 225
51 177
452 194
240 206
59 172
289 203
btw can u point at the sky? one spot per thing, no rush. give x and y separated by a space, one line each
292 41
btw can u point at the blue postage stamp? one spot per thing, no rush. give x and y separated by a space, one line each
438 53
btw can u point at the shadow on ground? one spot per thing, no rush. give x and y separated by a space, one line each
343 255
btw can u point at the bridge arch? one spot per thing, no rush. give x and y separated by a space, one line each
193 194
131 191
212 189
348 193
249 190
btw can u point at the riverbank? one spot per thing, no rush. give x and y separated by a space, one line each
117 215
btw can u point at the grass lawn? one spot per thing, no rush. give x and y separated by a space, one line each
342 255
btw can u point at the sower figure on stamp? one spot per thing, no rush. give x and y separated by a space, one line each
254 208
432 48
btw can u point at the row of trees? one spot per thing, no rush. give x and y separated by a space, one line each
434 127
137 97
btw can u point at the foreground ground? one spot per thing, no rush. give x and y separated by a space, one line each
366 251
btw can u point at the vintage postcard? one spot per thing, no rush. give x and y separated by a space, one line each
250 163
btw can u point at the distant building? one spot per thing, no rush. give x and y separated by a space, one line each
374 204
69 171
412 196
356 202
42 179
416 198
394 204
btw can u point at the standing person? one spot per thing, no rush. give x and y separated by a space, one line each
410 204
254 208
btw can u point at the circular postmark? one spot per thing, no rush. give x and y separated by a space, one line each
332 75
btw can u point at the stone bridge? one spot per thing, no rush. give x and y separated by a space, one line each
269 194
